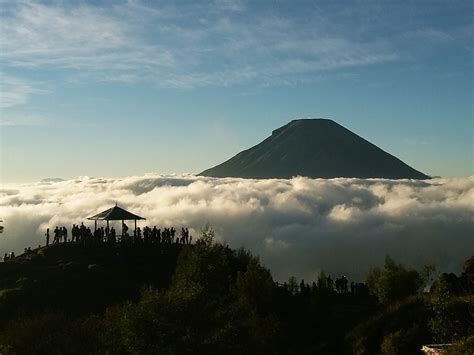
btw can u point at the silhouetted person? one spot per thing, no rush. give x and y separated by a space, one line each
47 236
60 234
344 284
65 234
330 282
56 231
182 235
302 286
5 258
112 235
83 231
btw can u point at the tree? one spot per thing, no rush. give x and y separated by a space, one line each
293 284
322 280
440 323
256 286
468 266
202 269
393 282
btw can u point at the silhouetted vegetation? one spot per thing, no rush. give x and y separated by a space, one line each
208 298
393 282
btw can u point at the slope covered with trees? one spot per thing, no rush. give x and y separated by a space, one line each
208 298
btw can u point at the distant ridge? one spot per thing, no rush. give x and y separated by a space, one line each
316 148
51 180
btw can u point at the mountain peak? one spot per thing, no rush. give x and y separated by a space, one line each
304 123
317 148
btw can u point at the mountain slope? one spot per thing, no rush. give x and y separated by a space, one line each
317 148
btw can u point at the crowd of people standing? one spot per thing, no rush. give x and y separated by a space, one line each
147 235
60 234
327 283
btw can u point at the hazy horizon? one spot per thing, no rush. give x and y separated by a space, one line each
65 178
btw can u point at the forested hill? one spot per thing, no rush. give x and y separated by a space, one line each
316 148
207 298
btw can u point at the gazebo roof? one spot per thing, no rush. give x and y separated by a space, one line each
115 214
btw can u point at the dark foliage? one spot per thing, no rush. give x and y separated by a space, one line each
393 282
207 298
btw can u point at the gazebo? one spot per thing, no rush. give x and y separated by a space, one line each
115 213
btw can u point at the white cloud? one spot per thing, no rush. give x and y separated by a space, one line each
22 120
219 43
428 34
297 226
15 91
230 5
78 38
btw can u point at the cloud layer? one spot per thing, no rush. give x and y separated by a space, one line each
296 226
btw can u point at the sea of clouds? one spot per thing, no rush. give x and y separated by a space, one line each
297 226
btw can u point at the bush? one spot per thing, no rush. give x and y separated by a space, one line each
403 341
397 329
462 347
49 333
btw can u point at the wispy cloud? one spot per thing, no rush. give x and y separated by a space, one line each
428 34
13 120
81 38
230 5
219 43
15 91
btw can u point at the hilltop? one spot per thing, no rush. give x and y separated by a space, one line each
316 148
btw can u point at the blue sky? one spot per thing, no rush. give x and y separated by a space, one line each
120 88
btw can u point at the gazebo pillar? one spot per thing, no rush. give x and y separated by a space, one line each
95 225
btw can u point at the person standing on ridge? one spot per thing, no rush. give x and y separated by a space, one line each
47 236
